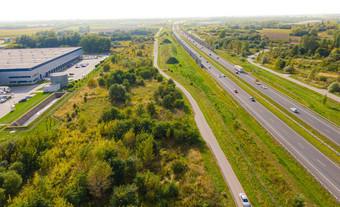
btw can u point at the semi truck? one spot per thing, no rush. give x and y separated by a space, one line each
238 68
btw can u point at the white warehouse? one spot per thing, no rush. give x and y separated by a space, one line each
27 66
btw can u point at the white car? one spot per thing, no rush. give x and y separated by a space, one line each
294 110
244 200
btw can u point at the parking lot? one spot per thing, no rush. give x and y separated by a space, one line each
20 92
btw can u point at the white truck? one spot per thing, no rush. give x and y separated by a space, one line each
238 68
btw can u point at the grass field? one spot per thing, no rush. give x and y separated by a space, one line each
268 174
278 34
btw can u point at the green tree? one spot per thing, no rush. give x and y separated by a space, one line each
18 167
324 100
146 151
150 107
117 93
106 68
222 34
264 59
298 200
311 43
11 181
98 179
124 195
295 50
289 69
334 87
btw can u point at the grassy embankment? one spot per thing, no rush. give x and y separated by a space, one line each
266 171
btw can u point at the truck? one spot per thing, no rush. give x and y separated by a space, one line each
238 68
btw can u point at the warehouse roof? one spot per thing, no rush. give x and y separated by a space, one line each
30 58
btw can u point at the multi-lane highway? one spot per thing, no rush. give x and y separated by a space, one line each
323 169
208 136
311 118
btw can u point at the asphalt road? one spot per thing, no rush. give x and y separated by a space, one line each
287 76
311 118
326 172
208 136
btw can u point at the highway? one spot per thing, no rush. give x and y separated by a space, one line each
208 136
325 171
314 120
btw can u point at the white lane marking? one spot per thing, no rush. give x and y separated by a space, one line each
321 163
301 145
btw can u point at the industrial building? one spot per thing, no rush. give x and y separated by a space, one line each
58 80
27 66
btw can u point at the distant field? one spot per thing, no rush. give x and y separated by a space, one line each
325 35
278 34
10 33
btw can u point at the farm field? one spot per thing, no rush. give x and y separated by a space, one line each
278 34
12 33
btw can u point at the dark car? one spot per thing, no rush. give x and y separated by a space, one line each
252 99
22 100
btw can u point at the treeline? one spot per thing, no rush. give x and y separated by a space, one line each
238 42
46 39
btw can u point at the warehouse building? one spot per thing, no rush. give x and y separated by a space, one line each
27 66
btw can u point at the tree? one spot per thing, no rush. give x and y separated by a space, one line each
334 87
124 195
95 44
92 83
264 59
106 68
298 200
18 167
117 93
146 151
289 69
310 43
324 100
98 179
150 107
279 63
148 185
11 181
295 50
222 34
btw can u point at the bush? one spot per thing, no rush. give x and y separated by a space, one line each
334 87
264 59
289 69
92 83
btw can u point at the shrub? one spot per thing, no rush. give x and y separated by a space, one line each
334 87
106 68
117 93
289 69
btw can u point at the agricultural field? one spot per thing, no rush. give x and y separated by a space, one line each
278 34
13 33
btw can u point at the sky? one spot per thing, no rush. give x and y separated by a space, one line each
130 9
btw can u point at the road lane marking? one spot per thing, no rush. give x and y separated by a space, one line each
301 145
321 163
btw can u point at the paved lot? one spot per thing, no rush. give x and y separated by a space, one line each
20 92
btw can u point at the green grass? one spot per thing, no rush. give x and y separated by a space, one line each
257 159
21 108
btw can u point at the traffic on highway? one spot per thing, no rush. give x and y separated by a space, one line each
322 168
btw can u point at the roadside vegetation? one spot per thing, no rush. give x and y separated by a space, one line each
297 49
269 175
126 138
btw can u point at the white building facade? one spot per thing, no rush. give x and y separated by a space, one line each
27 66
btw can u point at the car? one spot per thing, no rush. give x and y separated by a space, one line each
209 67
210 54
244 200
235 91
207 62
217 57
223 75
29 96
294 110
237 72
2 100
252 99
22 100
71 74
77 66
220 76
